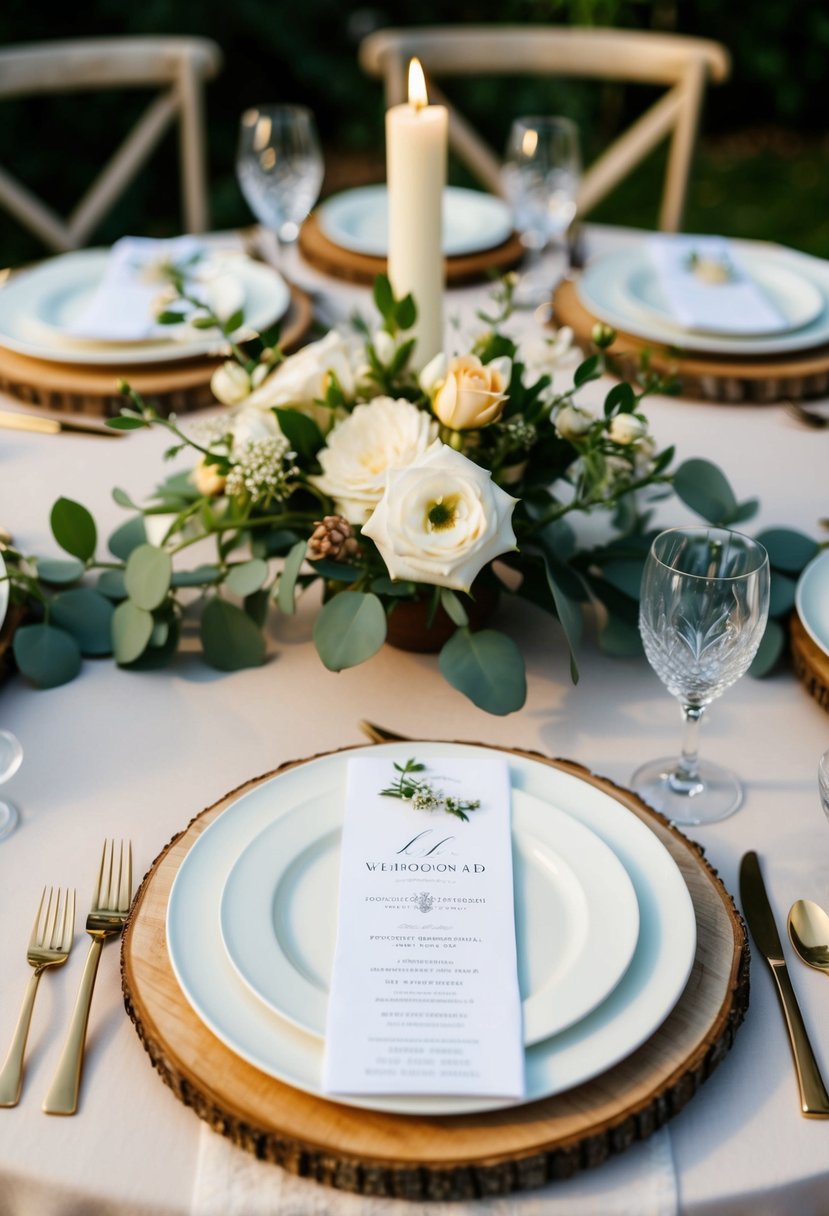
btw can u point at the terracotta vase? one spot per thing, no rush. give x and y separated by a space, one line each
408 627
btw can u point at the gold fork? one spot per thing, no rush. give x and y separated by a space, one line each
49 946
110 905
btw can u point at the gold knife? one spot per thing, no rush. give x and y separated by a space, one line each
49 424
814 1100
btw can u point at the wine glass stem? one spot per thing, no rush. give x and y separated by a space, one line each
685 778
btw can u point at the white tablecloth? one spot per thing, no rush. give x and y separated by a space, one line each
138 755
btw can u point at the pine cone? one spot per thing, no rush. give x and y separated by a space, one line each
333 537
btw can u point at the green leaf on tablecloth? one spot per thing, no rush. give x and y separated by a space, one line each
302 432
349 629
200 576
787 549
770 649
73 528
87 615
132 628
111 584
781 594
162 646
286 587
230 639
453 607
46 655
128 537
59 571
620 638
256 606
247 577
704 488
148 573
487 667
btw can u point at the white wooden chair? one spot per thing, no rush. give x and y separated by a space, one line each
178 67
682 64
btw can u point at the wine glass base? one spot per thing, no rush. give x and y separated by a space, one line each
715 795
8 819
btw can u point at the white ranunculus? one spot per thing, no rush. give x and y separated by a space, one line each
376 436
230 383
627 428
302 379
473 393
250 424
543 356
572 422
441 520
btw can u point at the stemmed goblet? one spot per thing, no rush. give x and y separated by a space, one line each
279 166
704 605
11 756
541 177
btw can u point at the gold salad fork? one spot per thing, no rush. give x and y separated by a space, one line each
110 905
49 946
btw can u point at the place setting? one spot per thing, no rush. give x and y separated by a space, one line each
809 629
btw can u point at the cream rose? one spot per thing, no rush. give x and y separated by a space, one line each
302 379
441 520
627 428
378 435
470 394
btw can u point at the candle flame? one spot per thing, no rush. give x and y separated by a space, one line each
418 96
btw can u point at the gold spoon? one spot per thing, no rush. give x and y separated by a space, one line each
809 933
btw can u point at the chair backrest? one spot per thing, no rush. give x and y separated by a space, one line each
682 64
176 67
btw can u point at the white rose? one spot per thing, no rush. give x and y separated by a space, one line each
230 383
250 424
627 428
572 422
378 435
441 519
473 393
302 379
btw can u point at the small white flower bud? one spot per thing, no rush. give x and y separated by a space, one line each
230 383
627 428
572 422
384 346
433 374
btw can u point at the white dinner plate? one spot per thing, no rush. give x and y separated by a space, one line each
279 914
36 304
638 1004
358 220
812 601
621 289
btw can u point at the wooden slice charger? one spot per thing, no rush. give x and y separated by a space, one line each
342 263
755 380
175 387
452 1157
811 664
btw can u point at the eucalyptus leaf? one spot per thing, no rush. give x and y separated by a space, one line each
626 575
87 615
123 499
453 607
256 607
781 594
111 584
285 596
569 613
487 667
769 651
161 647
787 549
398 589
73 528
231 640
147 576
128 537
199 576
349 629
620 638
59 571
247 577
337 572
132 628
46 655
704 488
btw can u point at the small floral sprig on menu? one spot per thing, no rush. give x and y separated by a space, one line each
423 795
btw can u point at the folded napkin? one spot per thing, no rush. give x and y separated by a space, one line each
706 286
134 288
640 1182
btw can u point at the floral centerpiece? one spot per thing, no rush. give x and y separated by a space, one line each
340 466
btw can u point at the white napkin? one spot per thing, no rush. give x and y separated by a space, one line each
738 305
125 303
640 1182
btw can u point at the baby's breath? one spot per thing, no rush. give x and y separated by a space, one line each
262 469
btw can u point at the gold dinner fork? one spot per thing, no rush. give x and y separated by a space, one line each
110 905
49 946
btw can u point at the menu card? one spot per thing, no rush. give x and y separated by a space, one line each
707 287
424 991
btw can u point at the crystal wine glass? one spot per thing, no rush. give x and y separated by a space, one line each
705 601
279 166
11 756
541 178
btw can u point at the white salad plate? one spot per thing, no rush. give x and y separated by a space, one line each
633 1010
279 914
358 220
622 288
36 306
812 601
